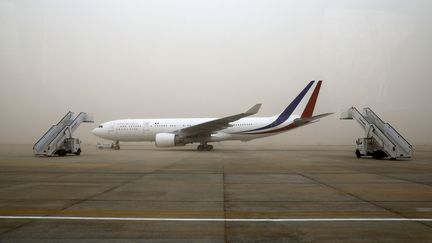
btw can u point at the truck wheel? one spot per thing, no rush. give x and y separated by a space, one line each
61 152
78 152
378 154
358 154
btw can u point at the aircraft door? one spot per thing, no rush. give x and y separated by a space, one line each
145 127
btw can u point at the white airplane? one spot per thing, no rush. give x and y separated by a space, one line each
181 131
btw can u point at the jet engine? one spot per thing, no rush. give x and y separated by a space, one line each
167 140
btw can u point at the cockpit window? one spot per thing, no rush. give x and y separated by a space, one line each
100 126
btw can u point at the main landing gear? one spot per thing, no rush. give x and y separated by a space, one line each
205 147
115 145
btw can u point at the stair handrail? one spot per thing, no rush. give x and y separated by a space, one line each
386 123
51 128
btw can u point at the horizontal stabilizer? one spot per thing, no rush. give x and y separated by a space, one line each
301 121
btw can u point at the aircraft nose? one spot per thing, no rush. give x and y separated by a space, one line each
96 131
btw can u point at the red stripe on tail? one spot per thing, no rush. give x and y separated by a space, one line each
312 101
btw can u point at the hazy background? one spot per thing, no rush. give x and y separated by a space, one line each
150 59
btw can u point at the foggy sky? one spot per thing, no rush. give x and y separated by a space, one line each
159 59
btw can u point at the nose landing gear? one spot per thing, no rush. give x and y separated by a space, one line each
115 145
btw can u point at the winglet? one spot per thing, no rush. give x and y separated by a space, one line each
253 110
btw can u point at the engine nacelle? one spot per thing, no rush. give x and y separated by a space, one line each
167 140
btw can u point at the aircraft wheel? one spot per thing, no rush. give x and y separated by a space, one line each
115 145
209 147
200 147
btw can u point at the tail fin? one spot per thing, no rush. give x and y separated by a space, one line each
294 106
308 111
282 117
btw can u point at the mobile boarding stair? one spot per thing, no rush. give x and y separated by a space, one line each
58 139
381 139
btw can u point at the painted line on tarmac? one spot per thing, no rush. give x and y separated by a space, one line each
218 219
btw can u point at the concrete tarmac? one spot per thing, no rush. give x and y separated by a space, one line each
231 182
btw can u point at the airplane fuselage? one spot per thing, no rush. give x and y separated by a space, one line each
146 129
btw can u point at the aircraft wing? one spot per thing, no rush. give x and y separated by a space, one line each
209 127
304 120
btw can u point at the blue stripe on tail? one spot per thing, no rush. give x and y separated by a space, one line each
289 110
